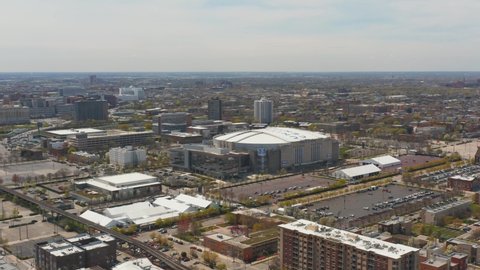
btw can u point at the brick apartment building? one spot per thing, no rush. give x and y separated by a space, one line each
306 245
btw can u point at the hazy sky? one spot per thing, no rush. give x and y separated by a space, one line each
239 35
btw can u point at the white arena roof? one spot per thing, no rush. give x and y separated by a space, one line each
271 135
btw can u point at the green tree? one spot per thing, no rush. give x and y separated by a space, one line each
231 219
15 212
221 266
210 258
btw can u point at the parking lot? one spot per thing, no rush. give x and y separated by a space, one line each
442 176
369 201
32 169
276 187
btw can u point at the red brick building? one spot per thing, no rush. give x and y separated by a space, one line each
245 248
466 183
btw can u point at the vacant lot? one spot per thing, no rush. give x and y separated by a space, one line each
33 169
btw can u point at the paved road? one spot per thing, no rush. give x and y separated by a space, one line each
172 264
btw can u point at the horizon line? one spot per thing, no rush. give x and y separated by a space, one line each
352 71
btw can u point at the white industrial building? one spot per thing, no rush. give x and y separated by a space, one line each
383 162
146 213
131 93
127 156
99 219
123 186
356 173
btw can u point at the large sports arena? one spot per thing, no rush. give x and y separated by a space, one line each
274 148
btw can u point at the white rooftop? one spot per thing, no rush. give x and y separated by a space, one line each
361 170
69 132
104 237
385 160
271 135
94 245
172 204
118 211
141 213
137 264
197 201
361 242
127 179
162 208
98 219
219 237
64 249
463 177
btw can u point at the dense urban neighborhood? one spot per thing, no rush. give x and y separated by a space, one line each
259 171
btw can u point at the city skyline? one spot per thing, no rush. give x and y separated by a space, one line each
212 35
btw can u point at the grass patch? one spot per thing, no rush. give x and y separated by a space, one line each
261 236
188 236
207 229
284 219
441 233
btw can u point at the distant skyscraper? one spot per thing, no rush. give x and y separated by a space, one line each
215 109
263 111
90 110
92 79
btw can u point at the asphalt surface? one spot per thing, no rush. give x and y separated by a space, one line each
280 186
355 205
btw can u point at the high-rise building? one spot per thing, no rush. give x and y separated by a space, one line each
263 111
215 109
168 122
41 107
307 245
90 110
92 79
12 115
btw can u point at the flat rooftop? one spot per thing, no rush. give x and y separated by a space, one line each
117 132
94 245
464 177
441 206
127 179
61 248
183 135
358 241
70 132
361 170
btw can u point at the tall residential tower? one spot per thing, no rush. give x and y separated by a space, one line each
263 111
215 109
